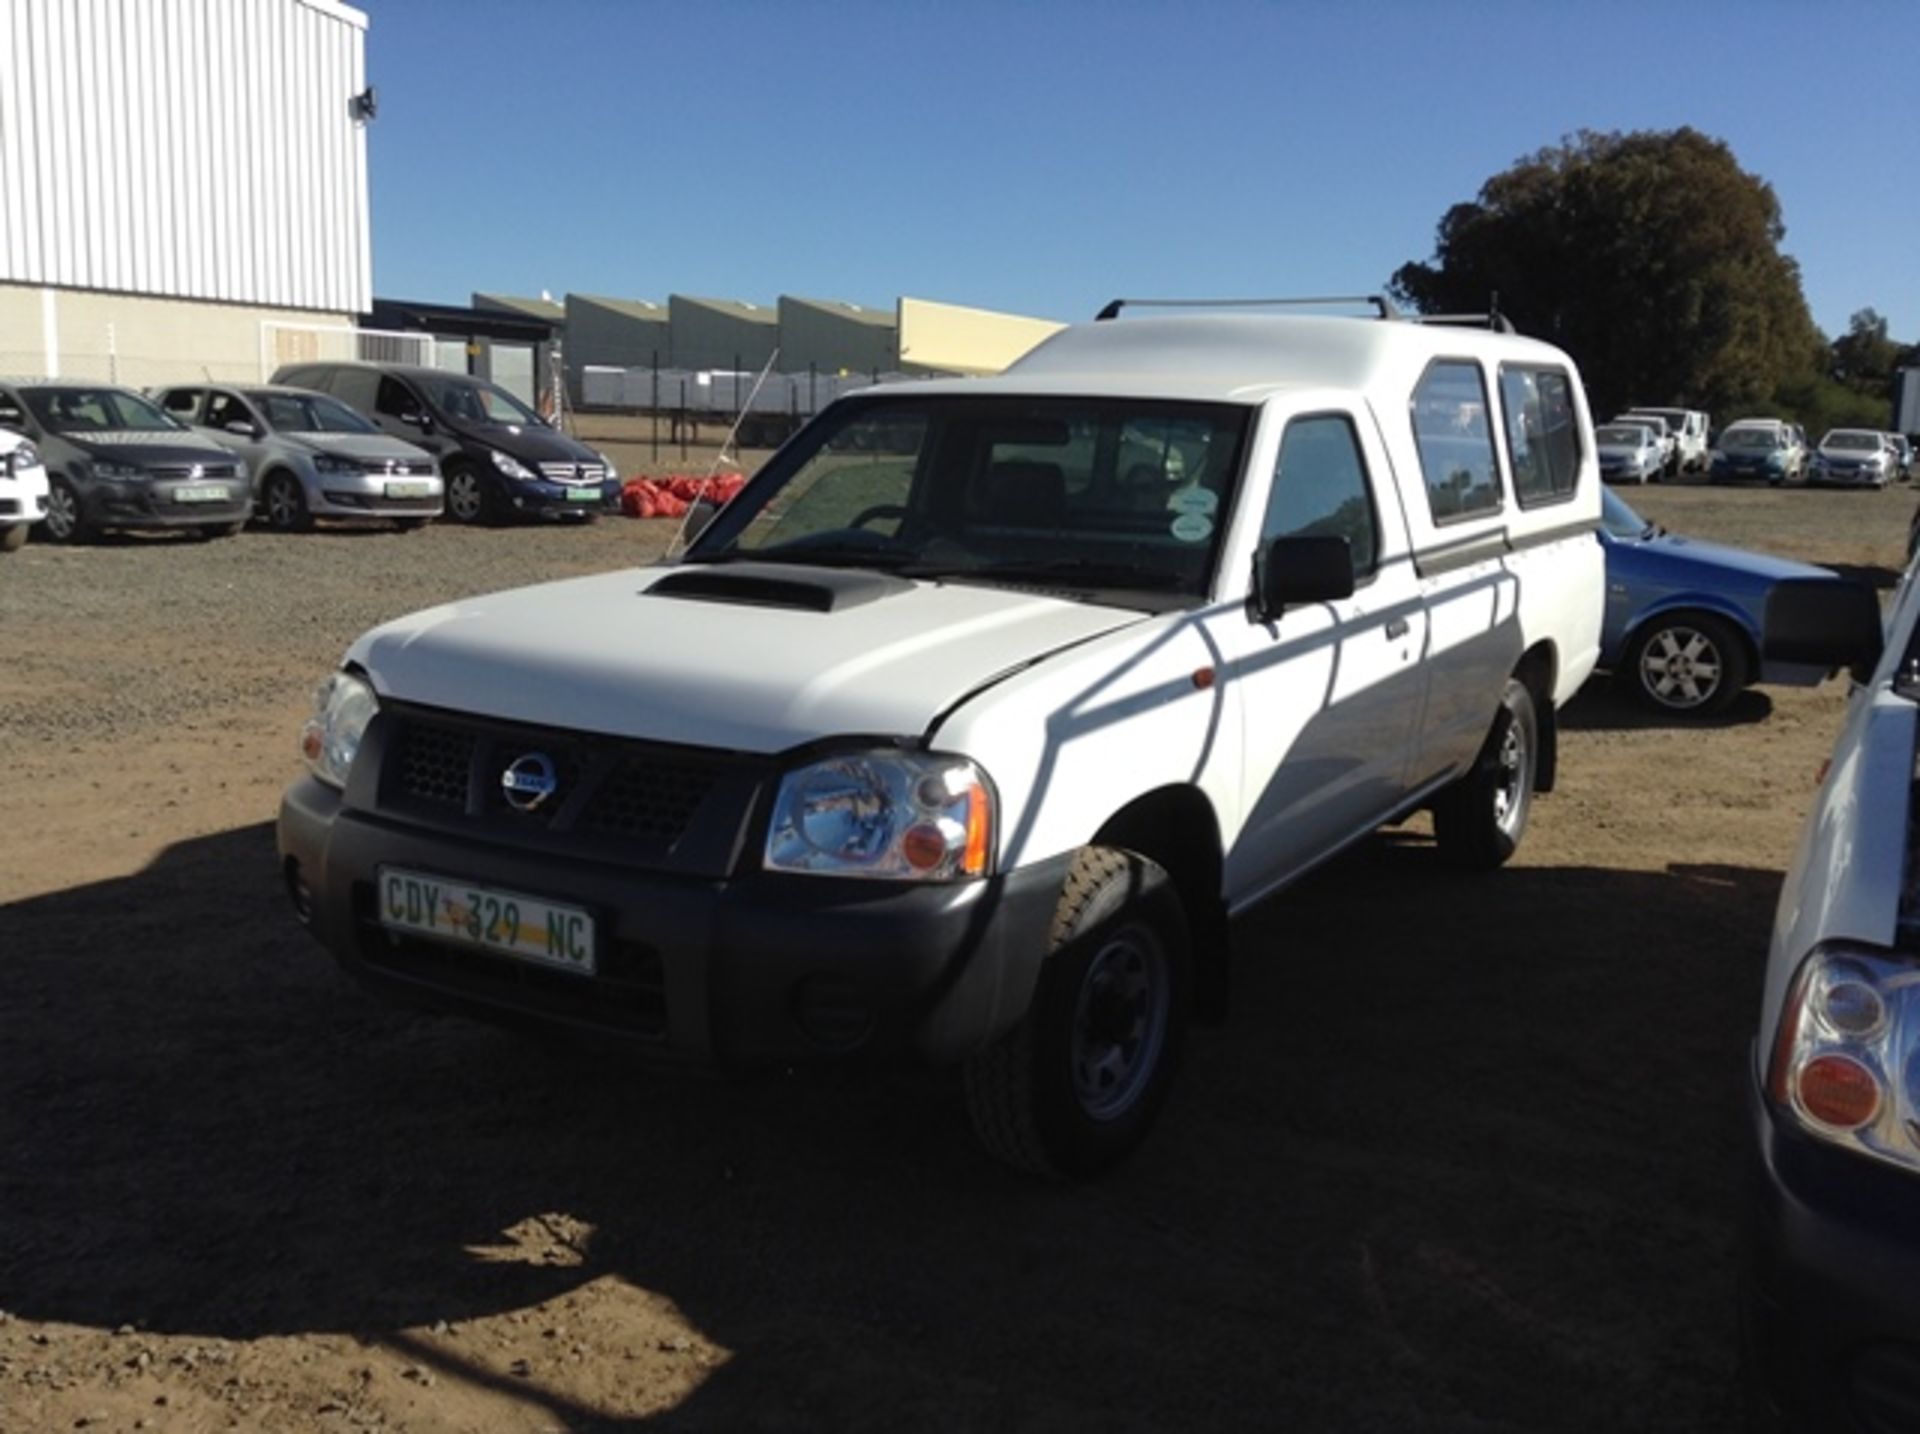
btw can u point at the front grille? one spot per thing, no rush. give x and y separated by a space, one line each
572 472
644 804
186 470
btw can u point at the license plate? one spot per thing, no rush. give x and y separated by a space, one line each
409 490
583 495
486 918
201 493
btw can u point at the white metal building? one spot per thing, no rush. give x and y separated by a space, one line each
183 184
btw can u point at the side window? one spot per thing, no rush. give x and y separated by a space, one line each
1320 489
1543 440
396 399
182 403
356 388
224 408
1455 439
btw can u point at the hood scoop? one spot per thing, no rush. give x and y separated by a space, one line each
783 585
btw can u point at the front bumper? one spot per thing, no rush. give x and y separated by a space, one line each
151 503
1832 1264
1734 471
364 495
1847 477
23 497
542 498
754 968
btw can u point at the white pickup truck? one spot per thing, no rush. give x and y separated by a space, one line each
961 734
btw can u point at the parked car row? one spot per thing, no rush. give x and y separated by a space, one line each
343 442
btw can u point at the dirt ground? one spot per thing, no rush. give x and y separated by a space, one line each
1465 1159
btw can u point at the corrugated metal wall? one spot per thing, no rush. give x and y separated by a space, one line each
191 148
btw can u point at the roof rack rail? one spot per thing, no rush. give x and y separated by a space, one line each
1496 321
1381 303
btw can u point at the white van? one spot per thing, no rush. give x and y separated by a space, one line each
961 734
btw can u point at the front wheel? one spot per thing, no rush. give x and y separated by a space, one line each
1688 665
1479 820
286 503
66 521
469 499
1073 1088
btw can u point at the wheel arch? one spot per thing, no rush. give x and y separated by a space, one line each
1176 828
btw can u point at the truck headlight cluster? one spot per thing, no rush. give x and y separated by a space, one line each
1845 1061
342 707
900 816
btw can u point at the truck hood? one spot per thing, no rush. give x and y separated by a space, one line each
1703 562
605 654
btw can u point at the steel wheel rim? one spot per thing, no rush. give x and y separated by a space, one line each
463 496
1120 1023
1510 777
63 511
1681 667
283 503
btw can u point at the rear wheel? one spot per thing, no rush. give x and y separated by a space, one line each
13 537
1077 1084
285 501
1479 820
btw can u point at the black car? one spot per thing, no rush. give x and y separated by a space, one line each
115 460
500 459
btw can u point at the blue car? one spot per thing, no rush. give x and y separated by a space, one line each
1684 618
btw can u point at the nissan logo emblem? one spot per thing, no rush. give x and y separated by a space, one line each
528 781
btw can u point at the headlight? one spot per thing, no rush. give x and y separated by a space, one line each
900 816
513 467
115 470
332 463
1845 1066
22 458
613 469
342 707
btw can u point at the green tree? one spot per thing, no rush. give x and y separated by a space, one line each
1651 257
1864 357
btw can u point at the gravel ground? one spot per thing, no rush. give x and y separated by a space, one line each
1474 1172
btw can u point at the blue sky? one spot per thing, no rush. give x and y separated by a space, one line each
1043 158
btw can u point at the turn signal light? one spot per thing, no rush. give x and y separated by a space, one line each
1839 1091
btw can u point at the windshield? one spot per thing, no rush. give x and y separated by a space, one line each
1753 438
97 410
1646 420
1621 435
1851 438
1620 520
308 413
471 401
1109 494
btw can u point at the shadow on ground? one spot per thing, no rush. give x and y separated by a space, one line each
1606 705
1464 1160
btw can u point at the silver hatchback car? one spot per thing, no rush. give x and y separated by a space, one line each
312 456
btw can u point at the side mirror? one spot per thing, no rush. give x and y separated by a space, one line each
1823 622
701 512
241 427
1290 571
417 418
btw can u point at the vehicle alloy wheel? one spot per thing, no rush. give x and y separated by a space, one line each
467 499
286 503
64 523
1691 665
1076 1085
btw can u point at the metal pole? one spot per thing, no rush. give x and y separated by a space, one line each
813 379
684 424
656 406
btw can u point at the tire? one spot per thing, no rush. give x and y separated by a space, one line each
13 537
1687 664
66 520
283 499
470 501
1076 1085
1479 820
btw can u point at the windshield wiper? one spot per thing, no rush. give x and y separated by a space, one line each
1074 572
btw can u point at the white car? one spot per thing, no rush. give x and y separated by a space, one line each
1852 458
1831 1261
961 733
1689 428
23 489
1663 431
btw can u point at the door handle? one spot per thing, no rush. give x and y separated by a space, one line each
1396 629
